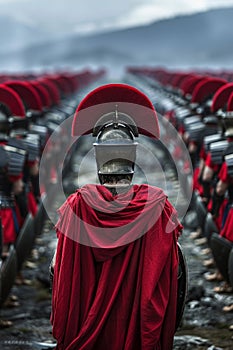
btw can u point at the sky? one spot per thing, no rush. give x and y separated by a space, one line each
83 17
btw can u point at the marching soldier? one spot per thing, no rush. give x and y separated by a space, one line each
115 270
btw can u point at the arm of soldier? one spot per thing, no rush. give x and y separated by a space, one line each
220 190
218 197
34 178
34 168
202 156
206 179
17 186
201 166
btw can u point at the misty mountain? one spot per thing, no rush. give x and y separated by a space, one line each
201 39
15 35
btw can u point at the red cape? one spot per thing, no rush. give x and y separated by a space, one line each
122 297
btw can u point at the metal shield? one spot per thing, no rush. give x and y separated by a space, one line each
25 240
210 227
230 267
182 286
201 211
8 272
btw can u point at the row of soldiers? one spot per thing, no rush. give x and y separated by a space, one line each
200 106
31 108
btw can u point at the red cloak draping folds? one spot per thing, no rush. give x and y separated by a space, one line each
224 176
226 230
120 297
8 225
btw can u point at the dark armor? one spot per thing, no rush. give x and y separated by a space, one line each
6 197
17 155
228 157
217 151
217 202
211 138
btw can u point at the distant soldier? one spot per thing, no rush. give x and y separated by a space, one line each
12 162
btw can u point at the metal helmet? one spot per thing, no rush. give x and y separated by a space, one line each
115 146
227 120
115 114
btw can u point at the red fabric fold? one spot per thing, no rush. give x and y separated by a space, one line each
120 297
8 226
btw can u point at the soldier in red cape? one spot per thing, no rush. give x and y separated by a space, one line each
115 270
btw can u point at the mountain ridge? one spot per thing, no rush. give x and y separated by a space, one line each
198 39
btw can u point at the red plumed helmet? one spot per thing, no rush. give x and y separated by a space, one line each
106 99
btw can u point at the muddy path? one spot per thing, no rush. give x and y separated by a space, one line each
204 324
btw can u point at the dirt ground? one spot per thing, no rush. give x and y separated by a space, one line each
204 324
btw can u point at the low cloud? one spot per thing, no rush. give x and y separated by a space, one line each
67 16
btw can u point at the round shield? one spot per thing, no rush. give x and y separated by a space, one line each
230 267
210 226
8 272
